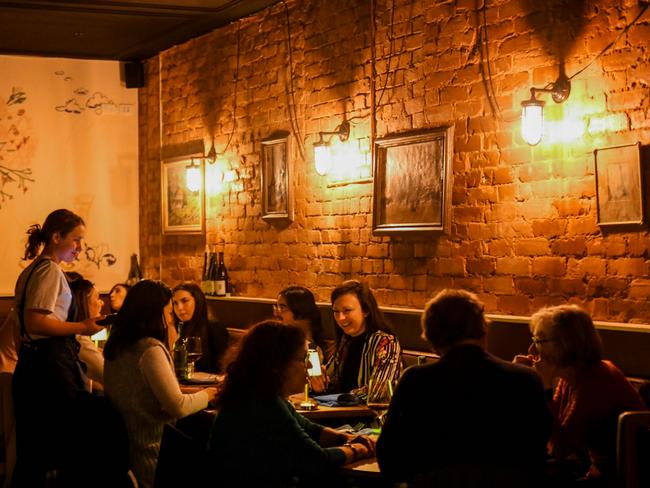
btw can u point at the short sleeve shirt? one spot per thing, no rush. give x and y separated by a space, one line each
47 289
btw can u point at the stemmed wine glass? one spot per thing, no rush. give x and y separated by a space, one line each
194 352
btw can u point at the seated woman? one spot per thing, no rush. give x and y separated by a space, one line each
88 305
367 355
296 305
589 395
258 439
139 376
117 296
191 309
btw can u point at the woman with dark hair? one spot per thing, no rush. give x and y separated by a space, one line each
590 393
191 312
297 305
117 295
258 439
139 376
88 304
48 354
367 358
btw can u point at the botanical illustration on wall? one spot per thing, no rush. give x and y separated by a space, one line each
68 139
15 174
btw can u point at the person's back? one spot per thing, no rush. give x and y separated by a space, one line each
470 408
470 414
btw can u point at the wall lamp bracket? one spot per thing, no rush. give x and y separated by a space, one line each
343 131
322 155
532 110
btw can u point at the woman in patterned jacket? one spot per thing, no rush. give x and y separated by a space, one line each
367 358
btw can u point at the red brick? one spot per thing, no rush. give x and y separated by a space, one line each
531 286
532 247
549 266
513 304
627 267
481 266
514 266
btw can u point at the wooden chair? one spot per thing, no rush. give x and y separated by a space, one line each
633 449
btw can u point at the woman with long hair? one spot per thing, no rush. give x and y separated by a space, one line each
116 296
139 375
48 355
88 304
297 305
191 312
367 358
587 393
258 439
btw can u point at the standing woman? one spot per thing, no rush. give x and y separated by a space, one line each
139 377
297 305
367 355
191 309
48 368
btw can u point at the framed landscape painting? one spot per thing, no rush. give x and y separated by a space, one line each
276 181
412 191
182 208
619 185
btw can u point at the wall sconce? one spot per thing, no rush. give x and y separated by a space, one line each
193 176
322 154
532 110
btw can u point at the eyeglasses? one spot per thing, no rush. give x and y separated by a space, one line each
537 340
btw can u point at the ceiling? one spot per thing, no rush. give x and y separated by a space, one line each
123 30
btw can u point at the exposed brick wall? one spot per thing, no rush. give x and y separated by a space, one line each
524 227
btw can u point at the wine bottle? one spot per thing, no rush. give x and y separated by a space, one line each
135 274
180 355
206 268
222 278
212 275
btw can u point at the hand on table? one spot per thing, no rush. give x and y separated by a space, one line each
212 394
368 442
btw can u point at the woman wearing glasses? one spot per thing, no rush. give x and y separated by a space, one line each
367 359
257 438
296 305
589 393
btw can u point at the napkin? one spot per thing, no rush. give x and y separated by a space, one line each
332 400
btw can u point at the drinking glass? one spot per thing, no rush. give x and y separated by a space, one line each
194 352
379 397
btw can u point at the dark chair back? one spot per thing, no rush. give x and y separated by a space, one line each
633 449
182 460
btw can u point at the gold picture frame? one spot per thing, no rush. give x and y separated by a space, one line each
183 210
277 191
619 185
412 188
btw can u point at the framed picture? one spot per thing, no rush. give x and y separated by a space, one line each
277 194
412 191
182 209
619 185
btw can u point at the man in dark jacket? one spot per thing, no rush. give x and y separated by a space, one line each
470 416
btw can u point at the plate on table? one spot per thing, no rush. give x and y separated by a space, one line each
201 378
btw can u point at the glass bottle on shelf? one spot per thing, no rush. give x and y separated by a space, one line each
211 276
180 355
205 270
135 274
221 286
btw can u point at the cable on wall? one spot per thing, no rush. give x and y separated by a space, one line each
293 116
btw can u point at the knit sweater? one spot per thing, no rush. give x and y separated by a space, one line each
141 384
